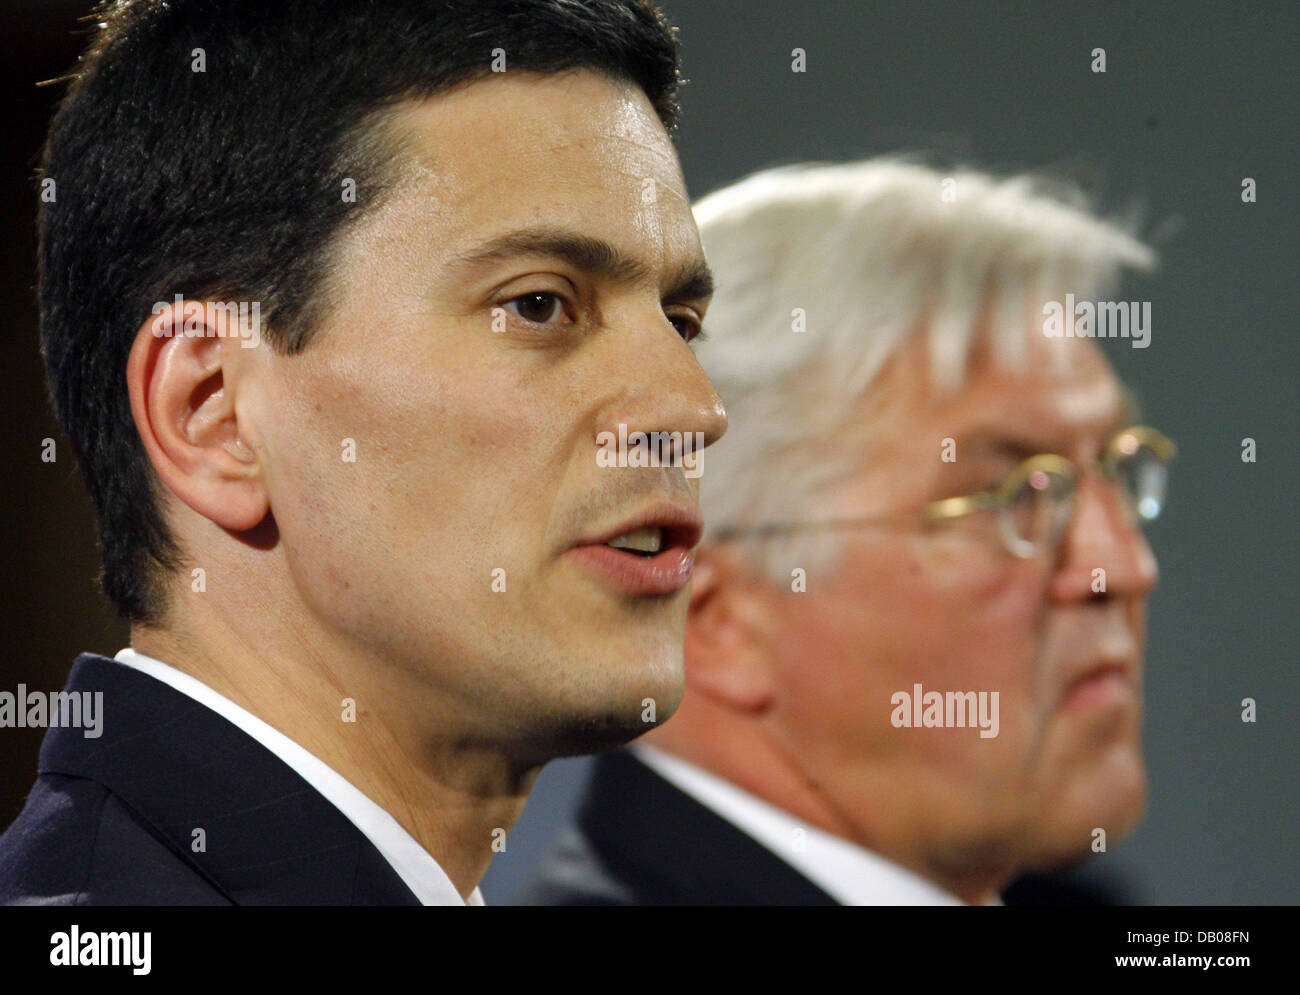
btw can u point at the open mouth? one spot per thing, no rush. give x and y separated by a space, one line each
652 554
646 542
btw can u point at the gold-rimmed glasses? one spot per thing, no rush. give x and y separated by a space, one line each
1034 503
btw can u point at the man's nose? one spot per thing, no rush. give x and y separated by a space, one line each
1104 536
662 386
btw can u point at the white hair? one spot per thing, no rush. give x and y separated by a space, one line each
868 255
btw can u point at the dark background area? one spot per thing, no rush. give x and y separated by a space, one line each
1195 97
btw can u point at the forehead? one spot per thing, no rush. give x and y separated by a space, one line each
576 149
1054 391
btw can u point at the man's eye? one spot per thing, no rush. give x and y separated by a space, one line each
687 327
541 307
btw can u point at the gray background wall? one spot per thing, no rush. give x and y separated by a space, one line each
1195 97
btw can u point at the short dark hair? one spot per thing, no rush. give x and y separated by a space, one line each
229 180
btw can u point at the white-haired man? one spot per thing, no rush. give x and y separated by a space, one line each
915 642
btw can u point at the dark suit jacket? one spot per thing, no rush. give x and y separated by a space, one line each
639 840
110 821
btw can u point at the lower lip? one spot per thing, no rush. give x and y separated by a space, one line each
664 573
1107 688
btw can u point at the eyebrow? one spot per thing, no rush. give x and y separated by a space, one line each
688 281
995 443
999 442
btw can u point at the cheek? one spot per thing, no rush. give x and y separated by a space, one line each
374 465
852 641
333 447
921 614
989 604
383 425
996 630
938 610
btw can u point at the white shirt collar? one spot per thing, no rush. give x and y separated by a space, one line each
413 864
850 874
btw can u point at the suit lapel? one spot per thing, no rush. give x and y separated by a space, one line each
674 850
267 836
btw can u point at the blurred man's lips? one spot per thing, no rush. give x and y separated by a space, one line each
648 553
1105 684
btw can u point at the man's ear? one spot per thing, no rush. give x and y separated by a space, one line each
727 647
178 378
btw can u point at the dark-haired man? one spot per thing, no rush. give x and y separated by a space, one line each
376 572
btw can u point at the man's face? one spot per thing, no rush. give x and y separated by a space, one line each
946 606
431 456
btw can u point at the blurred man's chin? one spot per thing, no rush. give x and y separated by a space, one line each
1116 811
1125 818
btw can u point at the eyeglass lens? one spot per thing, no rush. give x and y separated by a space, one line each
1041 506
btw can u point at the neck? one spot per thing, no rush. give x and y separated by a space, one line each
446 786
759 765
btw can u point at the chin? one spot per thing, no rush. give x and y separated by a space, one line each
1126 817
1120 792
1114 802
595 734
608 708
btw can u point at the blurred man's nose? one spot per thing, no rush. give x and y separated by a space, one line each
1103 535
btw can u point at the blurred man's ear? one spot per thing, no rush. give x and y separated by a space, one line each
728 657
